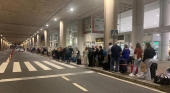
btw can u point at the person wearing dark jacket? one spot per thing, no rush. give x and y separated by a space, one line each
149 53
126 53
100 56
115 52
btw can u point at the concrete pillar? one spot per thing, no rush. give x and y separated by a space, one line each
80 36
33 43
38 40
1 44
110 17
164 21
127 39
46 38
62 37
30 44
137 22
165 37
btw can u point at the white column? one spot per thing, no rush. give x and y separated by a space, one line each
165 37
62 37
45 38
1 44
30 43
80 37
33 43
38 40
127 39
110 17
137 22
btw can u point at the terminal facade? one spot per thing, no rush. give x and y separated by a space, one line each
142 22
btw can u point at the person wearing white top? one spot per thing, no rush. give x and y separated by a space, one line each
109 53
131 55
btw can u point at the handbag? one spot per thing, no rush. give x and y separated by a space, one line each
143 67
162 79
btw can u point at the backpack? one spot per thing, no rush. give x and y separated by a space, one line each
104 53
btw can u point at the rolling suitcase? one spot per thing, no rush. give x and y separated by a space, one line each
105 66
78 61
123 66
153 69
74 59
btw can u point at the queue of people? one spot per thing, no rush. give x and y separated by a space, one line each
135 57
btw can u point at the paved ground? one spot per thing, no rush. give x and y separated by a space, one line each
31 73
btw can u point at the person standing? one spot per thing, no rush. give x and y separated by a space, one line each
95 58
85 54
100 56
137 61
116 51
149 53
71 52
126 53
109 53
67 55
131 58
78 54
90 56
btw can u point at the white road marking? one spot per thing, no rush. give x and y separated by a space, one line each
64 64
65 78
80 87
54 65
46 76
133 83
30 67
3 67
16 67
77 65
42 66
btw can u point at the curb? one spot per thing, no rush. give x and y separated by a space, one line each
121 76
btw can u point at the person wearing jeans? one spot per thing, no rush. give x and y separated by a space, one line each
115 53
149 53
138 53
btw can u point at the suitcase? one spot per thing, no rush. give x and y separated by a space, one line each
78 61
74 59
132 69
123 66
153 69
105 66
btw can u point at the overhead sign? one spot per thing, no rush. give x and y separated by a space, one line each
114 34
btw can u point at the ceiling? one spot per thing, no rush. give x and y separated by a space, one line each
20 19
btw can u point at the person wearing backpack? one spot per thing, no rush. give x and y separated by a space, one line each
100 56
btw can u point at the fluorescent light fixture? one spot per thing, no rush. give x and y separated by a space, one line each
47 25
71 9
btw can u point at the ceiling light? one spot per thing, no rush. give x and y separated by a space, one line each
47 25
55 19
37 32
1 35
41 29
71 9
